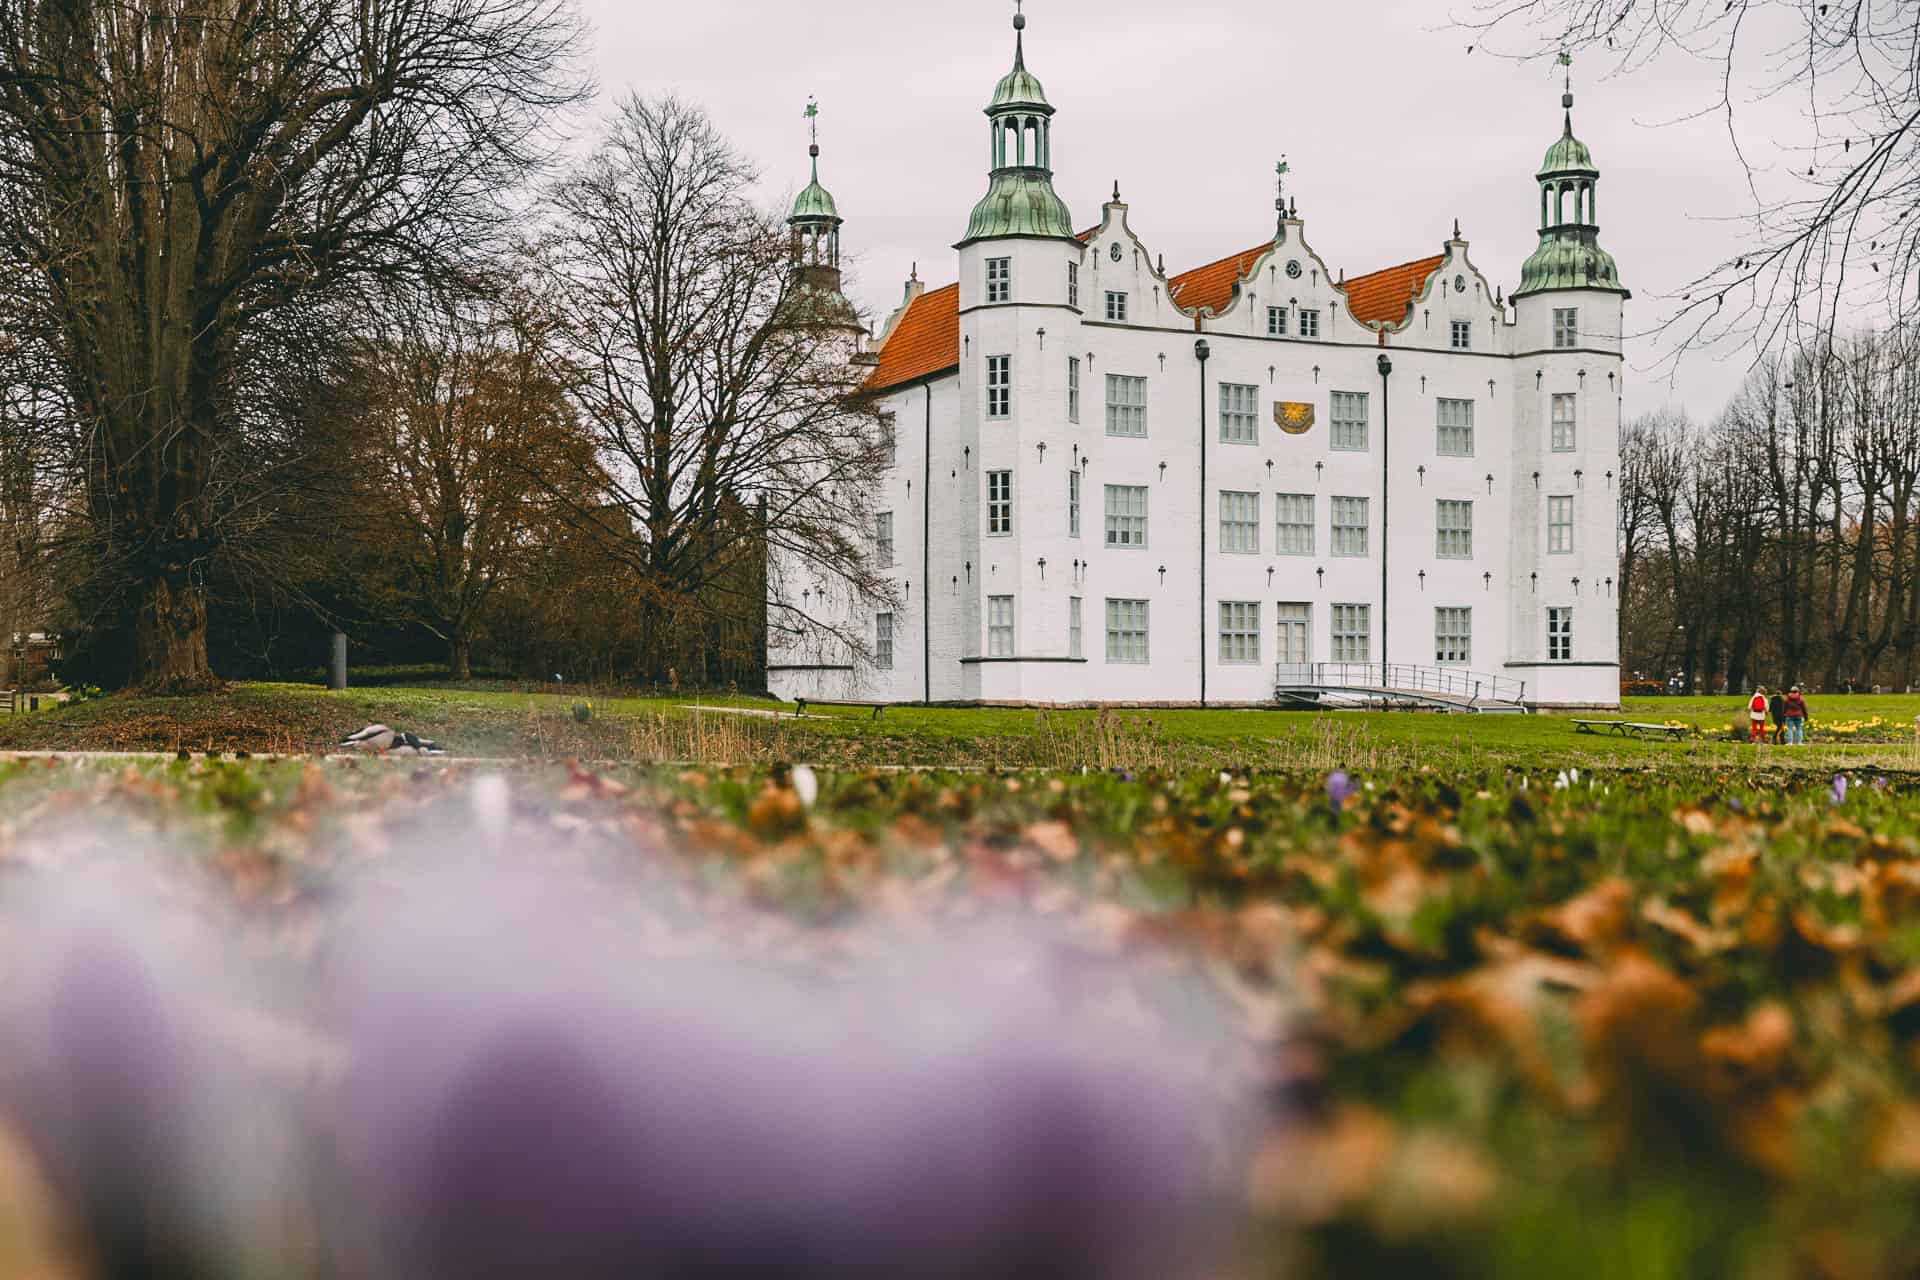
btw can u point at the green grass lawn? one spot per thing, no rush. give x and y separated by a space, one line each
292 719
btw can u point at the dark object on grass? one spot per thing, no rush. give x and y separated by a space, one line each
397 742
582 712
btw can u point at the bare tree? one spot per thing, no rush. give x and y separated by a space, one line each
716 384
178 173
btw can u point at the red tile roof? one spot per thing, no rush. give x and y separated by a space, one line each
1212 285
926 340
1384 295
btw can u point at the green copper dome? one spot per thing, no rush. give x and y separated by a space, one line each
815 202
1021 202
1569 258
1019 88
1567 155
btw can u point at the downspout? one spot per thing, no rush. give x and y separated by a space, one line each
1201 350
1386 436
926 554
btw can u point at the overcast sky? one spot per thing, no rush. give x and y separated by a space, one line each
1393 129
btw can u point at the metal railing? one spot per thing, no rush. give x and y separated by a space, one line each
1394 677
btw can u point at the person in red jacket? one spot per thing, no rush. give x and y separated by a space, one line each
1796 718
1757 715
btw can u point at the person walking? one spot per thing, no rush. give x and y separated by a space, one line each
1757 715
1777 708
1796 710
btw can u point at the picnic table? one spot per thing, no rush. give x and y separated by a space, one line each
803 703
1631 729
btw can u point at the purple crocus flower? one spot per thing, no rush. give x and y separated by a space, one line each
1838 792
1339 787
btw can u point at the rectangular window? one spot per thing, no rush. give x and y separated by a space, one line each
1293 633
1349 429
1073 388
999 385
883 641
1452 636
1352 632
1073 284
1293 524
1239 522
1559 635
1074 645
1565 406
1126 405
999 502
1239 413
1560 525
1116 307
1126 631
1127 515
1276 322
883 539
1309 323
999 279
999 626
1455 427
1350 526
1566 326
1463 335
1073 502
889 440
1239 631
1453 530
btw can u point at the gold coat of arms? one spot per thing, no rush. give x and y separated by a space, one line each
1293 418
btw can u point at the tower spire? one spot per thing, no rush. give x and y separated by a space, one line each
1020 200
1280 172
1019 34
1566 96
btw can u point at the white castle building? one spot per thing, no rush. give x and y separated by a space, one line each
1112 483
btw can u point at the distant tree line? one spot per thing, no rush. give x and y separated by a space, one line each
1780 542
304 326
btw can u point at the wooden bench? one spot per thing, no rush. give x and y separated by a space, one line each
1630 728
804 703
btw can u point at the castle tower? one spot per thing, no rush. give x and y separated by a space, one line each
815 222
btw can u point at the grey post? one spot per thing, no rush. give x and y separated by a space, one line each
337 676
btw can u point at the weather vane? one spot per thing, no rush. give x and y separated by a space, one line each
1280 172
1566 60
813 120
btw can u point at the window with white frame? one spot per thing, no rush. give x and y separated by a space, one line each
1454 428
1566 326
1127 631
1453 529
1560 524
1239 522
1452 636
1073 388
1565 427
889 440
1309 323
1126 405
1559 635
999 502
1352 632
1073 284
1276 322
1075 646
1073 502
1239 413
1293 524
1127 516
999 385
1293 633
883 539
1116 307
1350 526
1349 427
1239 631
1463 335
999 279
883 641
999 626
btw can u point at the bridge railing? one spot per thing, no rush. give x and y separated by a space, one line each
1452 682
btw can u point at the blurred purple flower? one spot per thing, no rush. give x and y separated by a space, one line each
1339 787
1837 794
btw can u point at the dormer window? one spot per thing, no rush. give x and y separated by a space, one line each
999 279
1116 307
